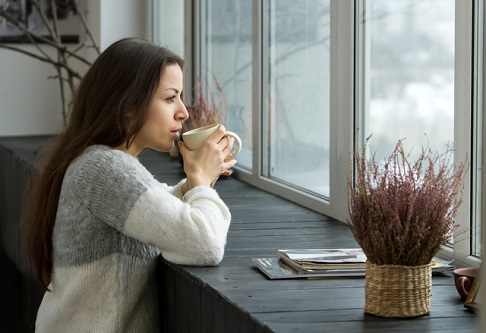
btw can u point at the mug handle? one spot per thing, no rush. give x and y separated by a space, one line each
463 286
237 140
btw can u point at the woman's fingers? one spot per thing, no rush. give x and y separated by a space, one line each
229 146
209 161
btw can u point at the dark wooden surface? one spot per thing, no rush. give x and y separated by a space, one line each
234 296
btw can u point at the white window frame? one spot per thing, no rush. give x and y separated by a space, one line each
465 112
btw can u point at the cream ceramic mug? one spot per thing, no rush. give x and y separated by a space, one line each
194 138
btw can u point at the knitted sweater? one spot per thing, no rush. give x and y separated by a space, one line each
113 221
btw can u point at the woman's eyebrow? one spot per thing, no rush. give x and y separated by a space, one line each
173 89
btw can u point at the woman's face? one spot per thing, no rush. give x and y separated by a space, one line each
165 115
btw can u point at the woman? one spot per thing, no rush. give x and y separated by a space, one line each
98 220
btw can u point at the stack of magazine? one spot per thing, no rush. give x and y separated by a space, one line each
312 263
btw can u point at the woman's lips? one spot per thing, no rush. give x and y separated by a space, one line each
175 133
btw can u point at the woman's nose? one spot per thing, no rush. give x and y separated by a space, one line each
182 114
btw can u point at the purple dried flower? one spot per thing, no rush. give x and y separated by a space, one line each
204 111
402 213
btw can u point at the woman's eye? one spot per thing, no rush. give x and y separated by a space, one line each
171 99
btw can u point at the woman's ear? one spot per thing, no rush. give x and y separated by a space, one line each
130 118
130 114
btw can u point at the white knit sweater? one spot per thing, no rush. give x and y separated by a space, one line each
113 221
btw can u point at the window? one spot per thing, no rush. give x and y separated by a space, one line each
406 74
226 42
408 69
296 85
301 76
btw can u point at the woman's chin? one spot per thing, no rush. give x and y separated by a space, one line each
164 148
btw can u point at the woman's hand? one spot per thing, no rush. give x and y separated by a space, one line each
204 165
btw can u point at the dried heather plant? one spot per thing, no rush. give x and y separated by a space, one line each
205 111
402 213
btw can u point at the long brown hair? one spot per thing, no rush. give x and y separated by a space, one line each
121 83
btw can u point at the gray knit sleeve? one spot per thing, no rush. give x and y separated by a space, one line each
116 189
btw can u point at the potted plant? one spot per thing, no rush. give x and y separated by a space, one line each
401 214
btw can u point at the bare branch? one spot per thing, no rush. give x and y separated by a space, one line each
37 39
86 28
66 75
19 25
47 60
52 32
30 54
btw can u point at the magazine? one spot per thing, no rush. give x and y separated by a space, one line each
441 265
316 259
276 269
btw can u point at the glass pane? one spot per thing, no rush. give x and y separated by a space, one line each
408 74
296 98
228 57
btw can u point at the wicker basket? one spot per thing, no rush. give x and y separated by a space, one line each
398 291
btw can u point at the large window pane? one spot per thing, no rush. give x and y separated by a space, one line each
296 93
407 74
227 46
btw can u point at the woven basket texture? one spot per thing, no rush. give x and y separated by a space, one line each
396 291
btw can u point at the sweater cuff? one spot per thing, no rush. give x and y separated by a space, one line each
199 190
177 190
